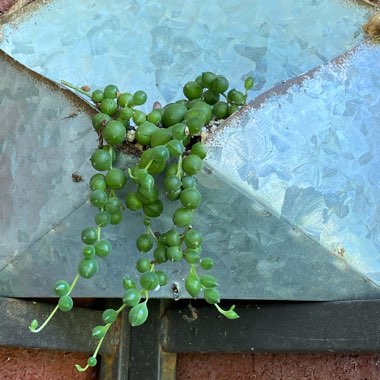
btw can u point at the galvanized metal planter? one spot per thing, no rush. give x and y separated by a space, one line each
290 188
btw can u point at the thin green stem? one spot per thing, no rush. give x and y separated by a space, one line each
221 311
149 163
193 270
81 369
110 151
152 233
179 167
46 322
224 96
147 221
98 232
72 286
107 326
55 309
130 174
121 308
76 88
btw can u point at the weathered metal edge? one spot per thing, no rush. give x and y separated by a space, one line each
75 100
21 10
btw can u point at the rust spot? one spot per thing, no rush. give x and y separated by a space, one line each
340 251
76 177
372 27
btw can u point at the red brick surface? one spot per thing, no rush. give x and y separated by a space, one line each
18 364
278 367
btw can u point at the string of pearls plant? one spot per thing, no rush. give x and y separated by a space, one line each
170 141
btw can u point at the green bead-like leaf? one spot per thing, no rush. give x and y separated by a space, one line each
109 316
103 248
162 277
193 284
207 263
61 288
33 325
138 314
99 332
128 283
230 314
65 303
248 83
132 297
149 281
212 296
92 361
87 268
209 281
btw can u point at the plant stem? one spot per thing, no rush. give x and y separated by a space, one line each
152 233
221 311
73 283
130 173
69 85
47 320
121 308
110 151
56 307
179 167
150 163
224 96
108 325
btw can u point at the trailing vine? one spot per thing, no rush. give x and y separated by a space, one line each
170 140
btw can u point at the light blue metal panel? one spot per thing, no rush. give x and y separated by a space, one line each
312 156
257 255
44 138
158 46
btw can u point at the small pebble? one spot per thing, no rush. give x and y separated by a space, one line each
139 147
131 135
157 105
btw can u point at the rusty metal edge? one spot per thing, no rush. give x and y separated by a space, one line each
21 11
75 100
369 3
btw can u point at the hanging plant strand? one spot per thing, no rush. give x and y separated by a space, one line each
171 145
